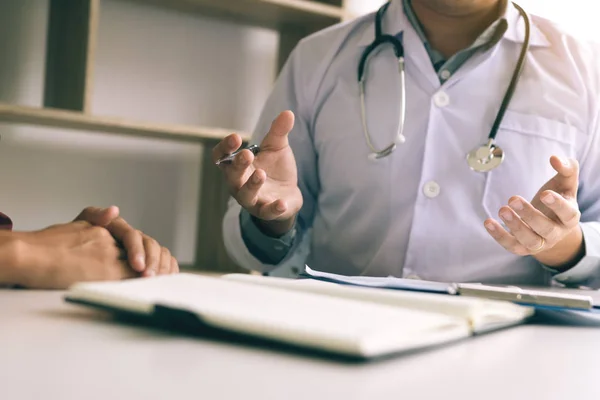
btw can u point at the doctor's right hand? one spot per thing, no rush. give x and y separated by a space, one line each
266 185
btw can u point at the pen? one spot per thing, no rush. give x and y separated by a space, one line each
229 158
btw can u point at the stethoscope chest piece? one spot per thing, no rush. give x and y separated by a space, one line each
485 158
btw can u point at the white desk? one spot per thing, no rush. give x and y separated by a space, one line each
53 350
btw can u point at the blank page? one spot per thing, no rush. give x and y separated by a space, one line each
318 321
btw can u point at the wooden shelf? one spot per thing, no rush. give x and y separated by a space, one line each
80 121
274 14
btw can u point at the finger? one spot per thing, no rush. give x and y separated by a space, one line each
247 196
535 219
125 272
164 266
237 175
567 177
174 266
98 216
132 240
153 253
226 146
523 233
566 211
277 137
273 210
504 238
243 160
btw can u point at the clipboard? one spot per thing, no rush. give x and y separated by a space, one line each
535 297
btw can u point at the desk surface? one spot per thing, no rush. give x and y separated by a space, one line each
53 350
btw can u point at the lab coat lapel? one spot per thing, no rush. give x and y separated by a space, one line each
418 63
515 34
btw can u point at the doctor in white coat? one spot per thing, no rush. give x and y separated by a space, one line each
407 182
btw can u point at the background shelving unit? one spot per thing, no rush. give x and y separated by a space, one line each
69 77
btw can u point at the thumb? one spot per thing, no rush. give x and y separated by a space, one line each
566 180
277 137
98 216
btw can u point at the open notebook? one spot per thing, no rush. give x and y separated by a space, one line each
349 321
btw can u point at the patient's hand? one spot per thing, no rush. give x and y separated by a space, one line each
144 254
61 255
97 246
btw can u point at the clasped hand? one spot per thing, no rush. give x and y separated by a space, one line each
98 245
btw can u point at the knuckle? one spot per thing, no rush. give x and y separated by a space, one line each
100 232
514 226
132 234
88 210
241 160
576 217
521 251
549 233
165 261
80 224
217 150
531 244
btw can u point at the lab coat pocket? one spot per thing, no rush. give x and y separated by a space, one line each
528 142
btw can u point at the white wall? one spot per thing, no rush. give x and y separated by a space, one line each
579 17
153 64
355 8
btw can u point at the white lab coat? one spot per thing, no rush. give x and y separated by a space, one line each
420 211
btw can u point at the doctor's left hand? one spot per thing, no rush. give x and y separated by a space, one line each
547 227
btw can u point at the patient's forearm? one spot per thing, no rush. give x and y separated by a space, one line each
10 254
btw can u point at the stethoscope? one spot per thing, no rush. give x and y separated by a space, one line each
483 158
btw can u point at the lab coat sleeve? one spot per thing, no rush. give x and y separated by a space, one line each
267 249
289 93
587 271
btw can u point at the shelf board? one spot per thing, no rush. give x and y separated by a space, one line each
274 14
79 121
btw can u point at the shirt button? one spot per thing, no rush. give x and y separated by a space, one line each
431 189
445 74
441 99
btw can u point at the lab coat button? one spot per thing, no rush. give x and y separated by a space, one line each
445 74
431 189
441 99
